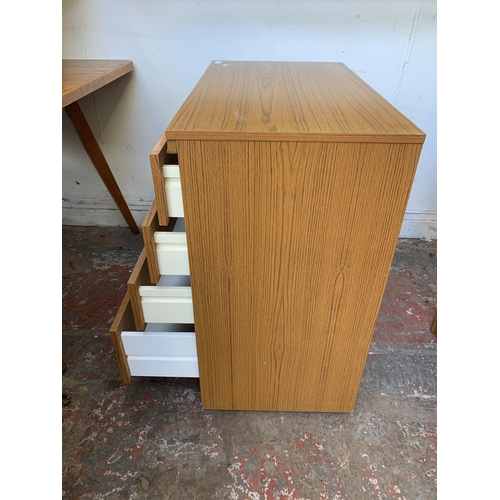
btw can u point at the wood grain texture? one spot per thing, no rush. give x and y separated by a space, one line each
124 320
288 101
138 277
81 77
158 157
150 226
434 325
290 245
97 158
172 147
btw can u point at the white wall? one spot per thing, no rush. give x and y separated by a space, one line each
389 44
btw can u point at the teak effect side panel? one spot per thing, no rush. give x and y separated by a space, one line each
290 246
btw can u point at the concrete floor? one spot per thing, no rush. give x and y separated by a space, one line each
152 440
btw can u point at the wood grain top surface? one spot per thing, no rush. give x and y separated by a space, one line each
288 101
81 77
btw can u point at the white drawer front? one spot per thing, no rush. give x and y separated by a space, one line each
163 366
170 301
171 252
173 190
157 343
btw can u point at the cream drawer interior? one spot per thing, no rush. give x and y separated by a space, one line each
161 339
173 190
170 301
171 250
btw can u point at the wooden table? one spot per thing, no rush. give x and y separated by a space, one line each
81 77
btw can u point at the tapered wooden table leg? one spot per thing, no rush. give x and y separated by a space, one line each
95 154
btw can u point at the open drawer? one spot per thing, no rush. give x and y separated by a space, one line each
171 250
161 350
173 193
166 182
169 301
166 246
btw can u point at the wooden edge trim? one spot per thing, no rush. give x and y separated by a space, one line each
171 147
124 320
97 82
150 225
157 160
139 277
195 135
434 325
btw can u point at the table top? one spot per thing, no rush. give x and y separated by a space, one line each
288 101
81 77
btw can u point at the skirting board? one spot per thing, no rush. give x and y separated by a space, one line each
416 225
100 216
419 225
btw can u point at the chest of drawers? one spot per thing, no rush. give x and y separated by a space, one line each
293 180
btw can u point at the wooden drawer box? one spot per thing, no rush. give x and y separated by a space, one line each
171 250
165 246
168 301
166 178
